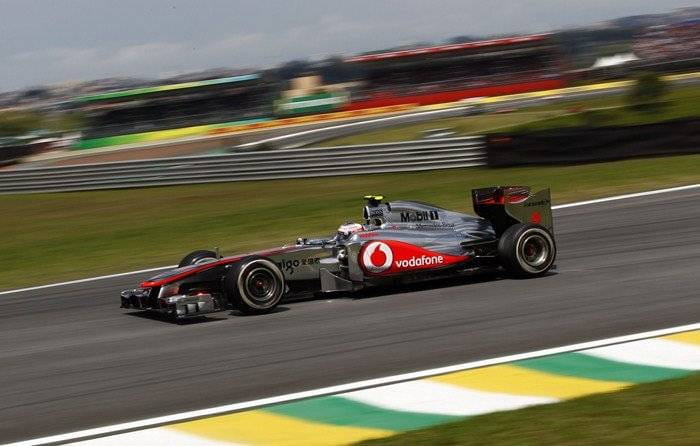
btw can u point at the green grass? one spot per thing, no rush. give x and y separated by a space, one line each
606 110
49 237
657 413
673 107
467 125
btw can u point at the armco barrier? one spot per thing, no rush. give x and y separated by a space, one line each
578 145
247 165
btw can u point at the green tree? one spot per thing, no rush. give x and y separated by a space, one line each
647 92
15 123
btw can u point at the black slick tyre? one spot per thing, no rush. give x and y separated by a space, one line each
255 285
526 250
198 258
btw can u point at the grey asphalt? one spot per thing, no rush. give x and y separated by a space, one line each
71 359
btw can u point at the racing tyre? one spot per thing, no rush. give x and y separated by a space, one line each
255 285
198 258
527 250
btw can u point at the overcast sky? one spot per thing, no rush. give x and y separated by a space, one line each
47 41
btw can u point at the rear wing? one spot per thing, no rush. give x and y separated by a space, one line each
505 206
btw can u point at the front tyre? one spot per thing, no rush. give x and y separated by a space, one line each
527 250
198 258
255 285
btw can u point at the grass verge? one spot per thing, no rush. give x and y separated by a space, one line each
49 237
647 414
608 110
467 125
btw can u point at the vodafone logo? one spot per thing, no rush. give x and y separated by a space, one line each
377 257
420 261
389 257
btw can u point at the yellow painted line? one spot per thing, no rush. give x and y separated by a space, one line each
329 117
260 428
691 337
675 77
176 133
511 379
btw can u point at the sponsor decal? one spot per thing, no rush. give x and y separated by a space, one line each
411 216
392 256
377 257
420 261
288 266
544 202
431 226
536 218
437 226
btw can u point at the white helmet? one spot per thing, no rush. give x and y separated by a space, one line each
349 228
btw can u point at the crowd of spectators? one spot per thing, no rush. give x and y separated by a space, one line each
459 74
669 42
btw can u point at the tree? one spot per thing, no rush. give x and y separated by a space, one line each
647 91
16 123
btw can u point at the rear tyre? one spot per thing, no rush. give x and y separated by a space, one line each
255 285
527 250
198 258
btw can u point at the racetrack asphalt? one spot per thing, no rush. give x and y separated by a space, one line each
70 359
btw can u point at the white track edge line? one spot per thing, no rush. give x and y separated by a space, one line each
372 120
626 196
342 388
89 279
559 206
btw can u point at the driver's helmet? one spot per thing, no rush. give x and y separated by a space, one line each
347 229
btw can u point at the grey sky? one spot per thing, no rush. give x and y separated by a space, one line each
47 41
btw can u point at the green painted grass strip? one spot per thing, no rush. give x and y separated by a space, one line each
586 366
132 138
344 412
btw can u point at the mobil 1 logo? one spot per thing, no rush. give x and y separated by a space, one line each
414 216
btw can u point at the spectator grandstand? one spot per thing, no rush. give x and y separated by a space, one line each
457 71
422 76
211 101
669 42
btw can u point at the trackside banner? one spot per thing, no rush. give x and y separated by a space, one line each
316 103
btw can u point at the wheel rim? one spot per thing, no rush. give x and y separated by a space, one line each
261 286
204 260
534 251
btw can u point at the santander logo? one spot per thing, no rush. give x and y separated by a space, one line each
377 257
393 256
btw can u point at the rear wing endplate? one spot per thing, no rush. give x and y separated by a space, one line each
505 206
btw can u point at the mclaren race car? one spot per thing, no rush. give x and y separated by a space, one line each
399 242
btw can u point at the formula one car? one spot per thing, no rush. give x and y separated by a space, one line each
399 242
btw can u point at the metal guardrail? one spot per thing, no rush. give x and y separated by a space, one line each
246 165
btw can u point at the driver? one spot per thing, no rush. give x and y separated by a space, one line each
347 229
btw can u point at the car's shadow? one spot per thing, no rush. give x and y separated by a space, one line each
278 309
170 320
436 284
211 317
368 293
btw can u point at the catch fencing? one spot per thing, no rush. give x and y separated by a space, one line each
432 154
